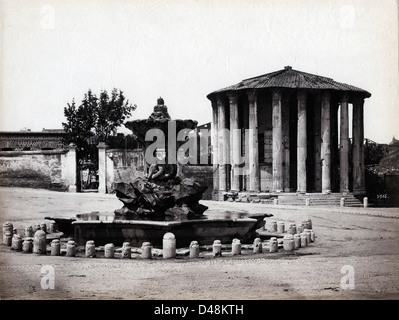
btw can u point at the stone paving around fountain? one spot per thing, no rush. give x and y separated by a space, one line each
365 238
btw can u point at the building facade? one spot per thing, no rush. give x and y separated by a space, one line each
279 133
47 139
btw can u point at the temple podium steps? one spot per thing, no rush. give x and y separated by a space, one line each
318 199
294 199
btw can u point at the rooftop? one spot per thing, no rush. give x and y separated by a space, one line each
294 79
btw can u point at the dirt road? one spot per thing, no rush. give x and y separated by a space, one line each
363 238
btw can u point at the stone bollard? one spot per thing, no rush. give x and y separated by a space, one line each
280 227
217 248
53 227
307 202
342 202
297 241
43 227
308 235
365 202
27 246
7 227
292 229
126 251
55 247
236 247
264 225
39 242
7 238
257 246
109 250
29 231
194 249
16 242
307 223
312 236
71 249
288 242
273 244
275 202
169 246
90 249
304 240
273 226
299 228
146 250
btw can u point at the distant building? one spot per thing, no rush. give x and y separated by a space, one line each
47 139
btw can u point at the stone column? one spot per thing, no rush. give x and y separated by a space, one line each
334 144
277 141
70 167
222 144
325 143
235 148
301 142
285 114
245 147
344 146
317 145
254 183
358 147
102 167
214 137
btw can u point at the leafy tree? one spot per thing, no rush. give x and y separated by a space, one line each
374 152
95 120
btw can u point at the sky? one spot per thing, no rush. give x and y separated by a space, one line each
54 51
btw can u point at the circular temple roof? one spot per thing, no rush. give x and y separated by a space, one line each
290 78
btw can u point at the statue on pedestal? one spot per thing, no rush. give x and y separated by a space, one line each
161 192
160 111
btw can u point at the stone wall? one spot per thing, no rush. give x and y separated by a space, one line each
47 169
124 165
392 189
266 177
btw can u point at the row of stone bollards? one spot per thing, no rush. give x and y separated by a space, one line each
279 227
295 238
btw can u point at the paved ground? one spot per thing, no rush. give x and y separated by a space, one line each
366 239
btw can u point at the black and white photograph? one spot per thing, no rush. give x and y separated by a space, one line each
207 152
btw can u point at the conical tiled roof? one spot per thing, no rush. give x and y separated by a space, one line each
294 79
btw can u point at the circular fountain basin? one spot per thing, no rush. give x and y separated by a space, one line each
103 228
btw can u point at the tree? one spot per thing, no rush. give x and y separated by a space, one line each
374 152
95 120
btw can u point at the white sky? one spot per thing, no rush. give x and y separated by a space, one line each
53 51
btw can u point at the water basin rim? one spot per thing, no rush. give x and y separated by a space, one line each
161 223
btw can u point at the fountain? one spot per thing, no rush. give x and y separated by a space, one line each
162 201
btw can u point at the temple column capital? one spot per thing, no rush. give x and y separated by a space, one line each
220 100
344 97
302 95
233 97
325 96
252 94
276 94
